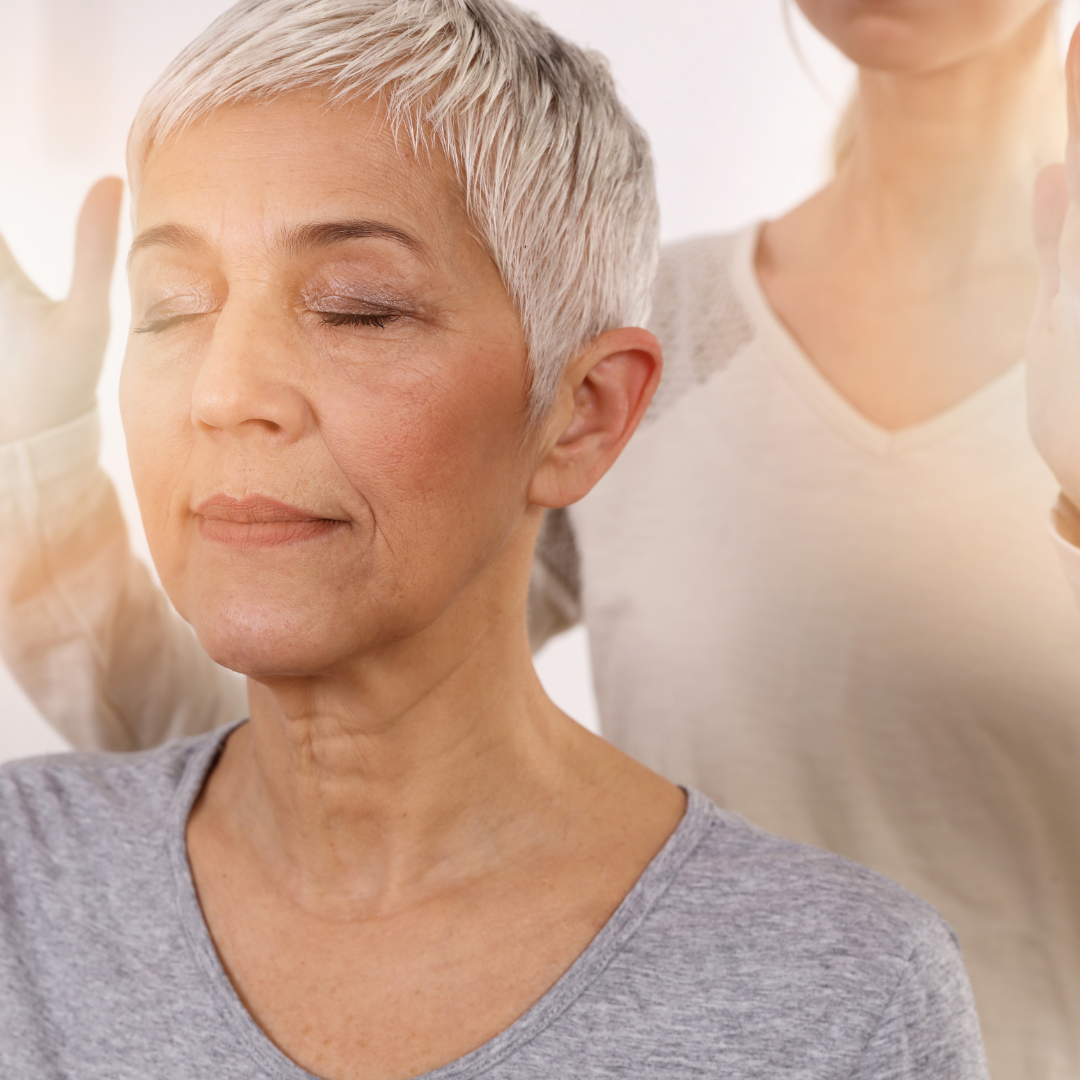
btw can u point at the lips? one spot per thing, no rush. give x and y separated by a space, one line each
260 521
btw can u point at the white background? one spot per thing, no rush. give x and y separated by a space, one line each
740 112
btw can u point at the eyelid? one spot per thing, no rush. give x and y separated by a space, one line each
187 302
336 303
174 309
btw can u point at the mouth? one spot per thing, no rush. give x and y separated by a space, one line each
258 521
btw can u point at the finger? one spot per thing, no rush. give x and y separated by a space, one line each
95 249
1051 203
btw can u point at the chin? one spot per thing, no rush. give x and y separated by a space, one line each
885 44
265 640
918 37
891 36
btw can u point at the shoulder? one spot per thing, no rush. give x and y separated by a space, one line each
781 946
697 313
73 803
805 932
807 899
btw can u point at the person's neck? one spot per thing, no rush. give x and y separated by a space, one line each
370 785
945 161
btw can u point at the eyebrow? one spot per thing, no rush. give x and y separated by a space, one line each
295 239
322 234
168 235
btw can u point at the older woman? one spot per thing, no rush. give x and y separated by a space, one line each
383 253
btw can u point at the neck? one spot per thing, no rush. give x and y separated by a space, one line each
401 772
938 156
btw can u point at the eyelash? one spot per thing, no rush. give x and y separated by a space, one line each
159 325
350 318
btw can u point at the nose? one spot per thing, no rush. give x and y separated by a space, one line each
251 379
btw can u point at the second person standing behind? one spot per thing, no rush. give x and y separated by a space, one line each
817 585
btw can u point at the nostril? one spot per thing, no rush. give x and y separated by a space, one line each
270 426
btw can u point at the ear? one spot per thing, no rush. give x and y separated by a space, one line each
602 397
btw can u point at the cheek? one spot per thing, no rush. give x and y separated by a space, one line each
437 461
155 409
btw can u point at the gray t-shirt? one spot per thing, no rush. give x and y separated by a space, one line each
736 954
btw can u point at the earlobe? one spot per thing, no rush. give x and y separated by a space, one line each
602 397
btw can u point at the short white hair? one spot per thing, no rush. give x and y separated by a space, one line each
557 176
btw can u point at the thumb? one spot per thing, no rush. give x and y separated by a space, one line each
95 250
1048 219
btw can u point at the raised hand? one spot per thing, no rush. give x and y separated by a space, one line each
51 352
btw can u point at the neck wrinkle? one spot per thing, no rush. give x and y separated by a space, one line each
356 810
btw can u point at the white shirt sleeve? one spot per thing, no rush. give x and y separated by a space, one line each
84 628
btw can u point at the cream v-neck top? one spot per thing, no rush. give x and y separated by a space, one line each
857 638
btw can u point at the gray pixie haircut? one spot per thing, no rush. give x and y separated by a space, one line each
556 176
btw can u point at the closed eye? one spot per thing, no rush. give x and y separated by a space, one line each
158 325
353 318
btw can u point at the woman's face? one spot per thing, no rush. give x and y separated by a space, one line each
918 36
324 388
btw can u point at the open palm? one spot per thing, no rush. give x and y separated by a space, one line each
51 351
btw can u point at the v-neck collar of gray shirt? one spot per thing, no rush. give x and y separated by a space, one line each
654 881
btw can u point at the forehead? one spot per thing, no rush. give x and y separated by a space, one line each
253 171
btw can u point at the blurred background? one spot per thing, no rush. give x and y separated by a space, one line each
739 97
